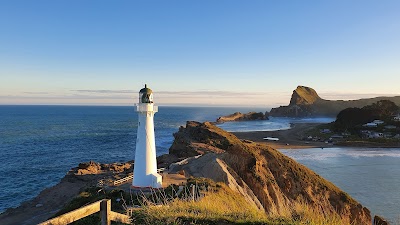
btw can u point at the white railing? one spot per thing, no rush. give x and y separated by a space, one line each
130 177
146 108
123 180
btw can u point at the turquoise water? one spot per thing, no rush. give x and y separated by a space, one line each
370 175
270 125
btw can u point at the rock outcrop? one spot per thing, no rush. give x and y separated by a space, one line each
87 168
263 175
305 102
237 116
380 221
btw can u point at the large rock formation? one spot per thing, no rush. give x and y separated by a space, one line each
237 116
305 102
263 175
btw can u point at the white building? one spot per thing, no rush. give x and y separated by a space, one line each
378 122
375 135
145 167
370 125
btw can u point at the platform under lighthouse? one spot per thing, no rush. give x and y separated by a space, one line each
145 167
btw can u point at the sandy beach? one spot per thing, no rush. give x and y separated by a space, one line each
288 139
292 139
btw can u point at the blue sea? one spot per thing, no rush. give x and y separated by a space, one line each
39 144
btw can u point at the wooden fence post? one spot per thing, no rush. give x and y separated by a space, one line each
105 208
193 191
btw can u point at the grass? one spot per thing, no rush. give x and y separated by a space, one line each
213 203
221 205
217 206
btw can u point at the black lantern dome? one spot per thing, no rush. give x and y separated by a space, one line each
145 95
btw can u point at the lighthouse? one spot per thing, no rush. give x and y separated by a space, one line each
145 167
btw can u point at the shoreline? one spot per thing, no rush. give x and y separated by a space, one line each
51 199
292 139
288 139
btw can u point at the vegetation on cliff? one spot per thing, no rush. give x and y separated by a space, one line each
215 203
352 119
221 205
305 102
248 183
265 176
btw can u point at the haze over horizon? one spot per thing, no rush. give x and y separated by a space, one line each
230 53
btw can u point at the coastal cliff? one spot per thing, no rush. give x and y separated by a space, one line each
305 102
237 116
267 178
263 177
54 198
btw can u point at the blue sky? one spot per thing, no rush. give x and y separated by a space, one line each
250 53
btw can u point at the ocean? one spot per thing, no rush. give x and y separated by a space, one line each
39 144
370 175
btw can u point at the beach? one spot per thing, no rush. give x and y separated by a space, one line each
288 139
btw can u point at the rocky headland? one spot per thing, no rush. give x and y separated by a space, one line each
52 199
237 116
305 102
267 179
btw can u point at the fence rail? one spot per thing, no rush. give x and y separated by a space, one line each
123 180
130 177
102 206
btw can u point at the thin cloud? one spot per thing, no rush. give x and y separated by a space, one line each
106 91
36 92
352 96
179 93
62 97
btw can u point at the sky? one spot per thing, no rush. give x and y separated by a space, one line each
216 53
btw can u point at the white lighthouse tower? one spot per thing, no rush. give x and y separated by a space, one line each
145 167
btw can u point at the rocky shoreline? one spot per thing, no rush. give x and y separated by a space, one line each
238 116
265 177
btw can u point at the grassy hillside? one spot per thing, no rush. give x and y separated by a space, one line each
215 204
277 181
224 206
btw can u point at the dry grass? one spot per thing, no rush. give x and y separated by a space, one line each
311 215
224 206
215 206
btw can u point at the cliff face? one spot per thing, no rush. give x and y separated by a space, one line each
304 96
263 175
305 102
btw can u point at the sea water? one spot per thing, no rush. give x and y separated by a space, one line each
370 175
39 144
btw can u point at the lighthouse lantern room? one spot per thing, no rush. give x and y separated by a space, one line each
145 167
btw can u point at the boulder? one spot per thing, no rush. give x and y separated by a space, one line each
88 168
380 221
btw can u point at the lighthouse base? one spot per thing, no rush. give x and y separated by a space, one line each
150 180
